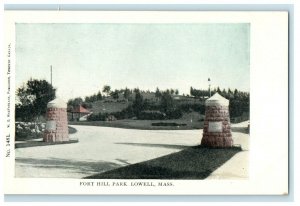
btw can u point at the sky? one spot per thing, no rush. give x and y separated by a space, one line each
85 57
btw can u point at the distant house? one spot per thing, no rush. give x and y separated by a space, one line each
78 113
177 97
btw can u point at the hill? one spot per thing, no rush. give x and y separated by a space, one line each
110 105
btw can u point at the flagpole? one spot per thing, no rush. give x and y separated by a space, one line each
51 74
209 87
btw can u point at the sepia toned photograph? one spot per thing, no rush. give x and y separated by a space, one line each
142 103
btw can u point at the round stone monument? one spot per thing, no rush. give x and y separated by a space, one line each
57 122
217 130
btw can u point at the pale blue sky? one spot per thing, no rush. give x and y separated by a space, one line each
85 57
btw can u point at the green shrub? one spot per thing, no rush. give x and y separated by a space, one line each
151 115
188 107
174 114
167 124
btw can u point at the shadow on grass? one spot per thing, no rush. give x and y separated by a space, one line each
192 163
71 166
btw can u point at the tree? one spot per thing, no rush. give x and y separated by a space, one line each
235 93
126 93
86 99
78 101
224 93
167 102
87 105
99 96
106 89
172 91
136 90
33 99
196 92
230 94
157 94
74 103
115 94
138 103
191 91
176 92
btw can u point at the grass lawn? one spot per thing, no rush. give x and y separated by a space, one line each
188 121
144 124
192 163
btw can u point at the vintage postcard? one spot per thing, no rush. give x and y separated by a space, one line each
155 103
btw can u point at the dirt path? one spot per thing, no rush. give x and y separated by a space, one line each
103 148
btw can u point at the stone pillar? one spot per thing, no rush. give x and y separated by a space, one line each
57 123
217 130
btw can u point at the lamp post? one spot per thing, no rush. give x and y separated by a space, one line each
51 74
209 87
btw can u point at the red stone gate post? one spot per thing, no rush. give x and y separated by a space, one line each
217 129
57 123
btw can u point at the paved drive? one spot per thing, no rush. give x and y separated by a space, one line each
105 148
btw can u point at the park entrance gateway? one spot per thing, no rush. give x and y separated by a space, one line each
57 123
217 129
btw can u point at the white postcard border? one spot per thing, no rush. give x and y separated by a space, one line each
269 114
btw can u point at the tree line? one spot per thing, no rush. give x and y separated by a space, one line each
127 94
239 102
32 99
